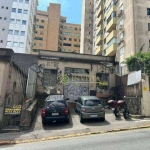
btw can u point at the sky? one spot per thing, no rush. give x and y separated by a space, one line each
69 8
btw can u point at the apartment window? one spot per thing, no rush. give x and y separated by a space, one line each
67 33
0 18
64 50
76 45
148 11
6 7
10 32
75 28
8 43
12 20
18 21
89 33
38 38
2 7
1 41
104 40
65 38
37 20
27 1
24 22
15 0
113 14
69 50
89 25
75 39
20 1
20 11
65 27
14 10
70 28
70 39
16 32
42 21
5 18
22 33
122 50
76 34
40 44
66 44
38 26
21 44
3 29
15 44
148 26
25 11
121 21
41 32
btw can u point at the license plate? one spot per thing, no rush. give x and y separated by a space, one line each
55 114
93 115
113 109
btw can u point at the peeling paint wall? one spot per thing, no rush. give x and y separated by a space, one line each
60 67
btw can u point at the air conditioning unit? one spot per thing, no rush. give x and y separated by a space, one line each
120 12
120 27
121 39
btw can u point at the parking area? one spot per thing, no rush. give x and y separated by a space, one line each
75 126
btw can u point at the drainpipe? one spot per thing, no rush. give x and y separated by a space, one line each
134 27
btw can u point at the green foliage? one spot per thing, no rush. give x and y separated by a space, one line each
139 61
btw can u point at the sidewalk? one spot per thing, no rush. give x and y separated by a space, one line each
56 132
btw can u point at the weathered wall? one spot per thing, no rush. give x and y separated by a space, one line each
4 69
146 97
61 65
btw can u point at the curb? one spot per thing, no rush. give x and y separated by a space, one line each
10 142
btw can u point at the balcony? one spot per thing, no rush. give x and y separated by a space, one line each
113 9
108 3
99 21
98 3
111 25
99 29
99 50
100 10
111 35
99 40
111 51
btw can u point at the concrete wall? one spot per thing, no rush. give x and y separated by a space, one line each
4 70
146 97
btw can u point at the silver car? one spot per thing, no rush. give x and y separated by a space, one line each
90 107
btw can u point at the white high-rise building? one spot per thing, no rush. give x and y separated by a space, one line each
17 24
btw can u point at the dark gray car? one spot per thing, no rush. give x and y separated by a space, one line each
90 107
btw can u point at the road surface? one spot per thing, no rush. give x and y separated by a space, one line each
127 140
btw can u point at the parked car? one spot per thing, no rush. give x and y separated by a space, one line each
89 107
55 110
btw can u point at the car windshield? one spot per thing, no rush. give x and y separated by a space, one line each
55 103
92 102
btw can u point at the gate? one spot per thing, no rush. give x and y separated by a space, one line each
73 90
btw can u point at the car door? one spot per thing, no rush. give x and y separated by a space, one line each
78 104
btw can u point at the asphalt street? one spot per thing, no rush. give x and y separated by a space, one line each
127 140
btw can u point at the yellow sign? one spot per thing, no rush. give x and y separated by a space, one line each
103 83
15 110
144 88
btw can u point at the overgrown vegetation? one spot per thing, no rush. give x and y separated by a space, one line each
139 61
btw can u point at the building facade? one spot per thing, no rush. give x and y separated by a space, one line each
53 33
122 28
16 24
87 27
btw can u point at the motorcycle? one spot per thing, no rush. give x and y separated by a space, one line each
119 107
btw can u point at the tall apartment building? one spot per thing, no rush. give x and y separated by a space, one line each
87 27
53 33
16 24
122 27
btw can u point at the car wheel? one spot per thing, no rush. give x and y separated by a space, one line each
102 119
81 119
44 123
